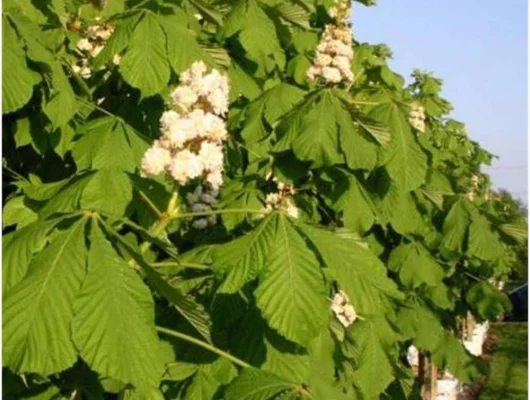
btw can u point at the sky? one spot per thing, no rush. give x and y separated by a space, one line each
480 50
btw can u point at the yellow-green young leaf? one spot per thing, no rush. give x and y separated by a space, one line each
203 387
291 293
38 311
415 266
17 78
145 65
405 160
253 384
109 191
113 327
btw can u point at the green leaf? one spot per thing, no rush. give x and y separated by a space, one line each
17 78
405 160
38 311
102 137
68 198
18 249
257 34
253 384
291 293
145 65
242 259
17 213
202 387
113 327
192 311
451 353
356 205
242 83
358 271
488 302
109 191
184 51
373 369
483 242
415 266
455 228
312 131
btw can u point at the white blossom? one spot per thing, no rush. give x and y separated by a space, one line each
417 117
184 166
211 156
155 159
343 309
84 44
215 179
334 53
184 96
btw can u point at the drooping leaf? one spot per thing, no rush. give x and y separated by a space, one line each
253 384
415 266
291 293
113 327
145 65
38 311
17 78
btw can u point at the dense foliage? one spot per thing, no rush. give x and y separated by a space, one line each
111 289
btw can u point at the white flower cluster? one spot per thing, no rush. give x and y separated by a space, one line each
413 356
202 200
334 53
190 146
343 309
282 200
417 117
89 47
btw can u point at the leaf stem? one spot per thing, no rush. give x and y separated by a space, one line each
181 264
204 345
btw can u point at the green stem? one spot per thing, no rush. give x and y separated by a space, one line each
180 264
204 345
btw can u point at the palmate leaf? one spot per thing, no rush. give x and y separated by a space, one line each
17 78
405 160
101 137
113 327
38 311
357 270
145 65
291 293
16 212
415 266
312 131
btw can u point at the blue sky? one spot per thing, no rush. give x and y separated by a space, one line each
479 49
